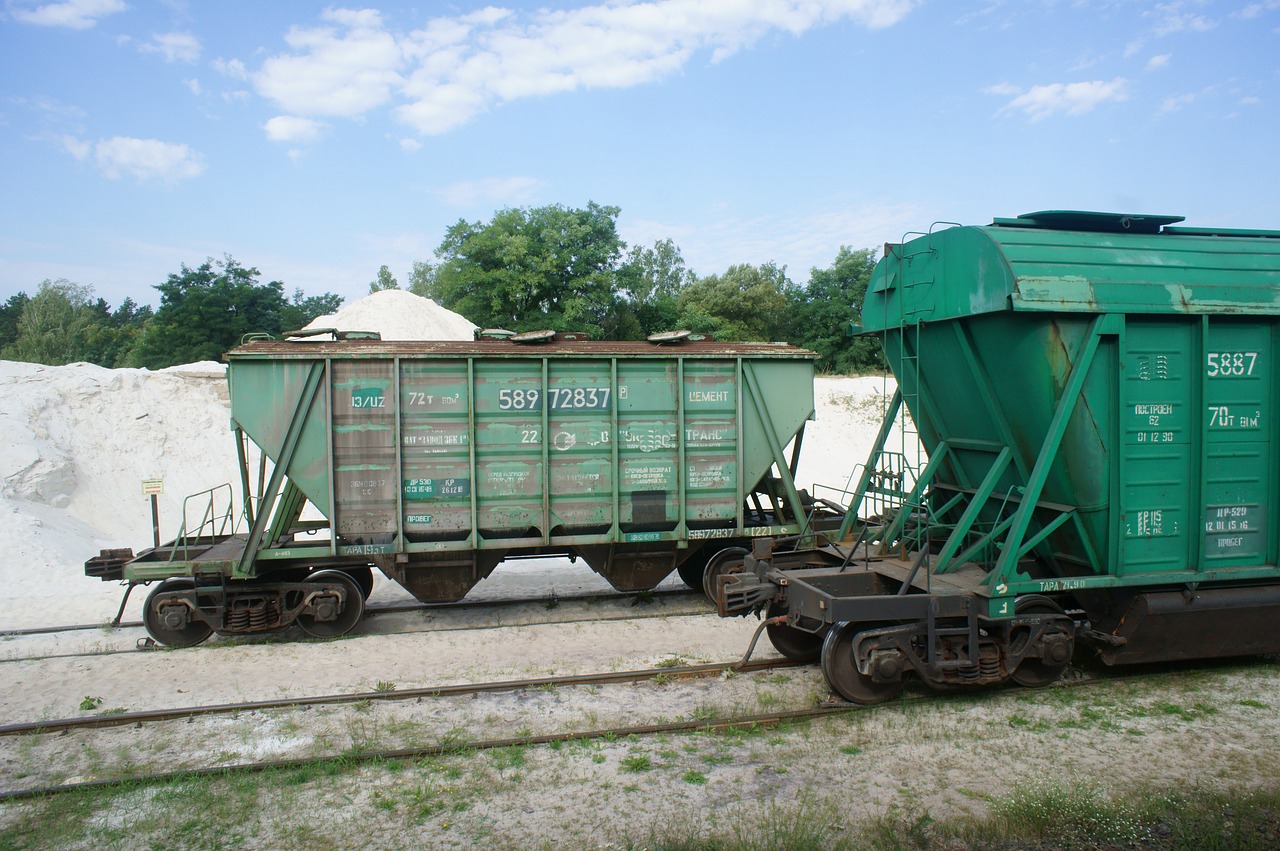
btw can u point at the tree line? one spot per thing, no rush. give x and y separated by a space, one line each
525 269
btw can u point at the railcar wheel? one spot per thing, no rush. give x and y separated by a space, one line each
728 560
795 644
363 577
1034 672
169 622
841 669
345 613
692 568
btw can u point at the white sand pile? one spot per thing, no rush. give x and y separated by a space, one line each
78 441
399 315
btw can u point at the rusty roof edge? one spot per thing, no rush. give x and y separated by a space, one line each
310 348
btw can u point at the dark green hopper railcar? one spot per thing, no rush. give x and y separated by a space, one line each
435 461
1098 398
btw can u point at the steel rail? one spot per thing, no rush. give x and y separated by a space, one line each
119 719
710 725
759 720
594 618
398 608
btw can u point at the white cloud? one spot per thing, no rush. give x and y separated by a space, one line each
1253 10
290 128
1040 102
1158 61
441 76
194 85
798 240
74 14
504 191
145 160
332 73
1175 103
232 68
78 148
1173 18
409 145
175 47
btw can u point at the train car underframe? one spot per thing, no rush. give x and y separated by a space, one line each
871 623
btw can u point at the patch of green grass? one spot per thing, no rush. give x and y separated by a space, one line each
508 757
1255 704
383 686
851 750
90 703
636 763
1056 809
695 778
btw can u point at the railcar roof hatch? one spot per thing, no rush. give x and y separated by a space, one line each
1086 220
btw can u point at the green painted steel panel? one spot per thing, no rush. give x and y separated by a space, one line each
1167 465
438 446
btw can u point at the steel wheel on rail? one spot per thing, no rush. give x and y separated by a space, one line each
169 620
692 568
841 668
728 560
1034 672
342 603
363 577
795 644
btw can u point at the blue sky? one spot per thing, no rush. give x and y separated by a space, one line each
319 142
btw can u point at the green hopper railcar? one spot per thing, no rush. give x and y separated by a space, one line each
435 461
1097 396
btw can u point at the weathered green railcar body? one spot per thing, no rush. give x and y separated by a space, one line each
1097 398
1168 455
435 461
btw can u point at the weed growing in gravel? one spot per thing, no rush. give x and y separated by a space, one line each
1056 809
90 703
508 757
636 763
384 686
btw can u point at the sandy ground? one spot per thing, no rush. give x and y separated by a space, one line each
1197 730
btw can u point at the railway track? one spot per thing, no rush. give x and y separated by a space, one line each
66 725
638 601
736 721
401 608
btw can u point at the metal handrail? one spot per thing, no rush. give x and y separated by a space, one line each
218 523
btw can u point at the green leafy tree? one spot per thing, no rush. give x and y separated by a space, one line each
422 278
650 281
56 325
748 303
543 267
303 308
830 302
10 312
206 310
115 333
384 281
